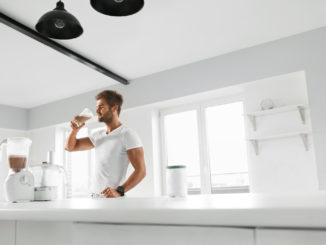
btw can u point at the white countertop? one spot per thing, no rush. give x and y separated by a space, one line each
241 210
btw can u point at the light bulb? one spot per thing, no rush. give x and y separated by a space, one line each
59 24
118 1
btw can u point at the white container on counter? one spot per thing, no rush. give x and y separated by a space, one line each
176 181
50 182
45 193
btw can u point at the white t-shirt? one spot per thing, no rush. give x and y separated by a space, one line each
111 159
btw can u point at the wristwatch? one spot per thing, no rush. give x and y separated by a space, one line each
121 190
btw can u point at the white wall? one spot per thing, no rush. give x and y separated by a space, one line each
43 140
283 164
299 52
13 117
141 121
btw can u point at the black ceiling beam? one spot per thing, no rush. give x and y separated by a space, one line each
52 44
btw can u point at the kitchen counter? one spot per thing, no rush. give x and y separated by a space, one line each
236 210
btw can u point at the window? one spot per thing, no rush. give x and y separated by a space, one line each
78 166
181 136
210 140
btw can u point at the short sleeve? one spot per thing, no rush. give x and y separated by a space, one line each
94 135
92 138
131 140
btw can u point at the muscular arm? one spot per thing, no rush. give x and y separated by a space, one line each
136 157
74 144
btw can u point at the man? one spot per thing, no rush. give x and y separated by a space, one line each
114 145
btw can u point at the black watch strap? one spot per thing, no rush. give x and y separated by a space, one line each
121 190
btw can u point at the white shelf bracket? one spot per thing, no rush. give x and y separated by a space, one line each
304 138
302 115
255 146
252 119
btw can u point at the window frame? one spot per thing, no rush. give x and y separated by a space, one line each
205 172
68 166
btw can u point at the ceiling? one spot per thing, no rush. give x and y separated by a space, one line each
163 35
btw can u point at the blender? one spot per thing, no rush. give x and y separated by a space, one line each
19 184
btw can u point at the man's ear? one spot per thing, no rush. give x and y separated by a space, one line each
115 108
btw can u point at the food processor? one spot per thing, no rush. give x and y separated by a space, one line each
19 184
50 180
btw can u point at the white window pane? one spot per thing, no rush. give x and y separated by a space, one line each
226 145
79 168
181 135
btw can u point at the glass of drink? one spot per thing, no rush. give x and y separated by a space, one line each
85 115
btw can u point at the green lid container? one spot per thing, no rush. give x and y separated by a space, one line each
176 166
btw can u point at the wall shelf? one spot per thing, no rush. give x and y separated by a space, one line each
303 134
253 115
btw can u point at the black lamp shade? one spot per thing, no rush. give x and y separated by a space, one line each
59 24
117 7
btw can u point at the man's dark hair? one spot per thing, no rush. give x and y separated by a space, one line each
112 98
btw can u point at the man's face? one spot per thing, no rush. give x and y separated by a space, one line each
103 111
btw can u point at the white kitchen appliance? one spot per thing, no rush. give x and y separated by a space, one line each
50 180
176 181
19 184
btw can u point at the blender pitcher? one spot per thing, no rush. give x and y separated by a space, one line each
17 152
19 184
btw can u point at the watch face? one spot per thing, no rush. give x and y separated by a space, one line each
121 190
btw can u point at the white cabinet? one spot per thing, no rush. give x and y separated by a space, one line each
7 232
87 233
68 233
290 237
43 233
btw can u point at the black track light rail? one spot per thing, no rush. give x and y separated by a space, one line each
52 44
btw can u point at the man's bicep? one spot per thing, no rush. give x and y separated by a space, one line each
136 157
84 144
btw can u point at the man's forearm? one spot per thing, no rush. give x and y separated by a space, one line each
134 179
71 141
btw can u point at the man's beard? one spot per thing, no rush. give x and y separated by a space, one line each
107 118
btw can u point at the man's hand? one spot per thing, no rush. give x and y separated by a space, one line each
109 193
74 144
75 126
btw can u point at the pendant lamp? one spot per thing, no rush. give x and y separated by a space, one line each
59 24
117 7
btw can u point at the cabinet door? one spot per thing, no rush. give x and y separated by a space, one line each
7 232
290 237
43 233
85 234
